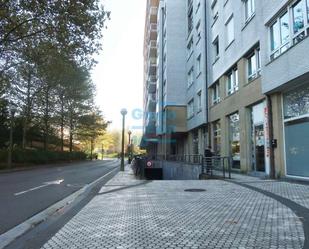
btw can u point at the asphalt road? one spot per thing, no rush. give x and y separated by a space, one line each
26 193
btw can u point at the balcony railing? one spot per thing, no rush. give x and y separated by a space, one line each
152 32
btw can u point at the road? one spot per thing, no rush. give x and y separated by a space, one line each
26 193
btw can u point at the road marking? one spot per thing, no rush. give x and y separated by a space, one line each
9 236
45 184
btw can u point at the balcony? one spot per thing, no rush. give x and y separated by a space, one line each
152 84
152 32
153 15
152 49
152 67
151 102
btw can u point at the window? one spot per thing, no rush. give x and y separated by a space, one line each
190 112
190 77
198 31
298 16
296 102
190 47
190 16
232 81
199 101
216 48
249 9
234 127
289 28
215 11
198 6
215 93
198 65
308 11
280 35
217 137
164 87
229 26
254 65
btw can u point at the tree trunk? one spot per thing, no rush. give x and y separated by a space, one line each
27 112
62 124
71 132
46 119
91 148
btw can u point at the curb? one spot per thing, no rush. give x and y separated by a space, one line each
9 236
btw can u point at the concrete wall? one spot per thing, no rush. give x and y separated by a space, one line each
180 171
175 53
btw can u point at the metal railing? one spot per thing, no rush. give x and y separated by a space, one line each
214 165
211 166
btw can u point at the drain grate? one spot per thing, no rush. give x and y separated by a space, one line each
195 190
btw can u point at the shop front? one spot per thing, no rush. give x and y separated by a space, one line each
296 131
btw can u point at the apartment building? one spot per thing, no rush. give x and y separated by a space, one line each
196 138
234 74
285 82
171 77
237 107
149 140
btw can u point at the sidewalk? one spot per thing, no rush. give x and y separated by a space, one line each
130 213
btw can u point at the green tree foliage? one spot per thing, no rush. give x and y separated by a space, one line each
46 54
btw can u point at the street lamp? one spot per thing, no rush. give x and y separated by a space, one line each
123 113
129 146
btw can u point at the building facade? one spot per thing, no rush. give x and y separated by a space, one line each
150 76
171 77
235 75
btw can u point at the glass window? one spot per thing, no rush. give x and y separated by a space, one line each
275 36
296 102
199 101
216 47
215 94
249 8
298 16
215 11
252 65
284 28
190 112
235 139
230 31
217 137
232 81
190 77
198 64
308 10
190 47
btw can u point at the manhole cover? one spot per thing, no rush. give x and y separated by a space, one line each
195 190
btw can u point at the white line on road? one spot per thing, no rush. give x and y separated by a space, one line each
45 184
9 236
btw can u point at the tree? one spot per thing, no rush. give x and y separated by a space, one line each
91 126
73 25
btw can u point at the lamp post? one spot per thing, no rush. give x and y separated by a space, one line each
129 146
123 113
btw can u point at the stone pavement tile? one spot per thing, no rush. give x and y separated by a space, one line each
160 214
298 193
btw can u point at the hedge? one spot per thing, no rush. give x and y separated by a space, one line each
20 156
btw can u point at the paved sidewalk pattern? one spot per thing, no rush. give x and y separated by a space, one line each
129 213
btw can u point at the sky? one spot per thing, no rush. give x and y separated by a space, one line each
119 73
